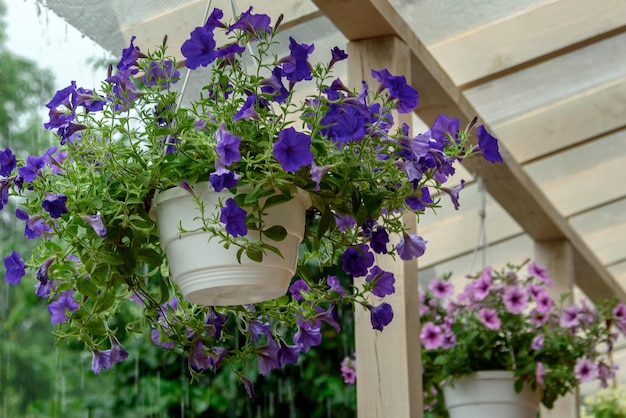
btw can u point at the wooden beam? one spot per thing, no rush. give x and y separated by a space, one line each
389 378
507 182
558 257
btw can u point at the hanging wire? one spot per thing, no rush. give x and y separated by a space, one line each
481 240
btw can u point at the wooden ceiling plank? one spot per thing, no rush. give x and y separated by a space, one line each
506 182
539 31
566 122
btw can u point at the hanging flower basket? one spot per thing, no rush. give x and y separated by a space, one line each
205 271
490 394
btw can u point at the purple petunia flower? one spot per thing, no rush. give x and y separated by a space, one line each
293 149
32 168
489 318
381 315
515 299
619 315
585 370
117 353
251 23
8 161
43 290
287 354
62 97
274 85
268 356
35 227
54 204
227 147
248 385
199 49
540 273
570 317
317 173
130 56
156 337
379 239
537 343
431 336
14 268
488 145
337 54
307 336
383 282
482 286
348 370
445 128
223 179
335 286
296 66
87 99
42 271
419 201
356 260
411 246
441 289
344 222
96 223
234 218
161 73
398 88
298 288
100 360
543 303
247 111
123 92
454 193
540 373
229 51
61 306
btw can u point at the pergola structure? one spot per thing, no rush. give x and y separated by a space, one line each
548 77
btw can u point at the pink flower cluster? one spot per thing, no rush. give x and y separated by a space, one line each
508 322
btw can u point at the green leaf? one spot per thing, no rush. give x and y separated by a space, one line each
150 256
356 200
255 254
105 301
165 290
86 287
276 200
276 233
96 327
326 221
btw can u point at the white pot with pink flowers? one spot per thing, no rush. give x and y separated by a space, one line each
506 320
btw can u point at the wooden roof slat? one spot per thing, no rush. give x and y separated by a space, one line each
566 122
576 179
550 81
556 25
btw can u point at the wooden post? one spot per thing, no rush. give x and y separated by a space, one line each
558 257
389 378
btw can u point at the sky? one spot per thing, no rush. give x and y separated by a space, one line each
36 33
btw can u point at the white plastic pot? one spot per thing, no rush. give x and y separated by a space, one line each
209 274
490 394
